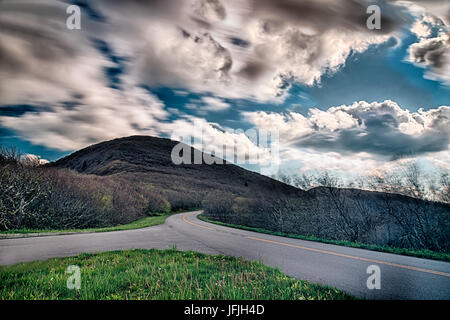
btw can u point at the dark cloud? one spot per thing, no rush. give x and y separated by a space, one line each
203 58
433 53
329 14
44 44
432 50
38 49
253 70
378 135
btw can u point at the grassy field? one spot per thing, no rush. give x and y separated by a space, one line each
156 274
141 223
427 254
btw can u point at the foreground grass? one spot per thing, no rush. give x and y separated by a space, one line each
156 274
427 254
141 223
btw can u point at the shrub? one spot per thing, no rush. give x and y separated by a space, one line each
219 206
157 204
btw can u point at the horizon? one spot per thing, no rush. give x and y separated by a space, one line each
343 98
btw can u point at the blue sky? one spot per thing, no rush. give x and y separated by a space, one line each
140 69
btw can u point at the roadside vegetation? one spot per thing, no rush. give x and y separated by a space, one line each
154 274
112 184
36 198
140 223
406 223
426 254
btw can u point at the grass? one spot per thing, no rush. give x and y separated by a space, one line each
141 223
156 274
427 254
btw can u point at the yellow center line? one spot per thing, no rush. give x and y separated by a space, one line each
332 253
198 225
352 257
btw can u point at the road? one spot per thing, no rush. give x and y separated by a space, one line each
401 277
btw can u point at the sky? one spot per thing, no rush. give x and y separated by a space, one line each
336 95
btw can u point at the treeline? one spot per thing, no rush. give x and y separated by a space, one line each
377 218
412 180
33 196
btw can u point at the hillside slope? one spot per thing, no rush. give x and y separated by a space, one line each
148 159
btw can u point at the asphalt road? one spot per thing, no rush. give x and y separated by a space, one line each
345 268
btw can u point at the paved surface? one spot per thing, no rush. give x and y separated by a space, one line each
344 268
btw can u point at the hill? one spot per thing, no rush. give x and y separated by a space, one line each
119 181
148 159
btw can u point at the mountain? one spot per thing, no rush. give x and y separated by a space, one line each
138 172
148 159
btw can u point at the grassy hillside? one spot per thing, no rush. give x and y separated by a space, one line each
153 274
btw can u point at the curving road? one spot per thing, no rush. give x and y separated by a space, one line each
344 268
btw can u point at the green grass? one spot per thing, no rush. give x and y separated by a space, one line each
156 274
427 254
141 223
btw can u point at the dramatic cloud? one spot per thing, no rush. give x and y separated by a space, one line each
299 56
195 60
373 129
105 115
42 61
240 49
236 49
438 8
432 51
342 14
56 83
65 89
241 147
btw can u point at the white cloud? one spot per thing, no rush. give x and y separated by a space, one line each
305 56
238 146
184 44
42 61
362 136
34 159
196 52
421 29
100 115
47 65
432 50
433 54
437 8
62 74
208 104
214 104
